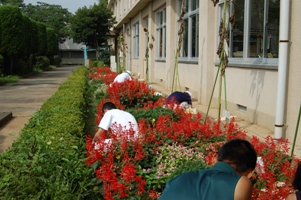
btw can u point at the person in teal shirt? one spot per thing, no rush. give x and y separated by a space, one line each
228 179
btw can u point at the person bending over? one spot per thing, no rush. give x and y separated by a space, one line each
118 121
228 179
180 98
120 78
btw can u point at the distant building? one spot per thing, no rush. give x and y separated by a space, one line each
73 53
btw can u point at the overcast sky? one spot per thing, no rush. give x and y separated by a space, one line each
71 5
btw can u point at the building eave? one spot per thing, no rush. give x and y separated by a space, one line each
140 5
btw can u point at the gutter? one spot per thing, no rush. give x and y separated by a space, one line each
282 68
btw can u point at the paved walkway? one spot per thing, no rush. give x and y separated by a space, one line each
251 129
25 97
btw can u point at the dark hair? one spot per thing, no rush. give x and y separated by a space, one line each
108 106
297 180
239 153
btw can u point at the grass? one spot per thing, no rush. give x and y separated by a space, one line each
8 79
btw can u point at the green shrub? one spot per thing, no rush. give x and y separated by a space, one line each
152 115
8 79
42 63
97 63
47 161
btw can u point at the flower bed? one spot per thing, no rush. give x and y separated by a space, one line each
170 144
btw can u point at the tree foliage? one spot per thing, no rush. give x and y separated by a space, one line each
52 41
11 24
92 25
42 38
53 16
18 3
12 38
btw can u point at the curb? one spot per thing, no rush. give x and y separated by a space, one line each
5 117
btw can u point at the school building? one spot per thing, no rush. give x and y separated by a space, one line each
263 75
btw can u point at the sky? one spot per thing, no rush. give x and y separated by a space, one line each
71 5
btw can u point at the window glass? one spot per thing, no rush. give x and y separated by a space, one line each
136 40
264 29
161 34
190 35
194 4
237 32
255 33
146 34
185 39
195 36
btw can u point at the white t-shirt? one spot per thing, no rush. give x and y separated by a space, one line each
122 77
118 119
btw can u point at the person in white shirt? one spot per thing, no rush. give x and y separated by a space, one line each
121 123
123 77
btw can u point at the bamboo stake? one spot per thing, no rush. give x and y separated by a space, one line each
296 132
178 50
219 66
225 88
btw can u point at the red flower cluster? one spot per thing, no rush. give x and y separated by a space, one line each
132 93
274 174
118 168
104 74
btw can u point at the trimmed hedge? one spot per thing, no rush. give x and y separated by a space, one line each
47 161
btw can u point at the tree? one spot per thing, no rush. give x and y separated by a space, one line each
12 29
18 3
92 25
42 39
53 16
52 43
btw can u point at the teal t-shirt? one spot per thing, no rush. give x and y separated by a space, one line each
216 183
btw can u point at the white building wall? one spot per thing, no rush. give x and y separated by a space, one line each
294 74
251 91
251 95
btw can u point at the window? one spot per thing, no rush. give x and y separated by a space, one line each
161 34
190 37
255 34
146 35
136 40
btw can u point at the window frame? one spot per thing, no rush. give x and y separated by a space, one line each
136 40
161 27
146 39
188 16
245 61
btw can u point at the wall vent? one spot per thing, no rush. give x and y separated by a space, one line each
242 108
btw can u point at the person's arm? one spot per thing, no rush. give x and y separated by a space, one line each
104 124
97 134
243 189
291 196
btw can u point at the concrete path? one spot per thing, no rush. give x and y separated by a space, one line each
24 98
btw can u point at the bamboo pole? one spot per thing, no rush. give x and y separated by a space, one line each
178 50
225 89
296 132
174 72
219 66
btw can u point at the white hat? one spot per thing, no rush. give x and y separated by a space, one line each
129 72
189 93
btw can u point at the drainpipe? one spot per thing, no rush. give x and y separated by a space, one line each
282 67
